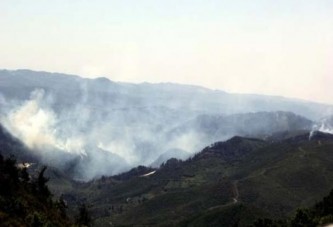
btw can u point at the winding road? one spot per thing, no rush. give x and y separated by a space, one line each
235 193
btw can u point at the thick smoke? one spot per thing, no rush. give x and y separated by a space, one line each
324 125
326 129
36 124
96 127
96 142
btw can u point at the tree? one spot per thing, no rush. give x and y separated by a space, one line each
24 175
83 218
303 218
41 184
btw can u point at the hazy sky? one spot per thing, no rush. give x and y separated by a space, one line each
275 47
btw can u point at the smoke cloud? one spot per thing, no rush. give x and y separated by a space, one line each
93 141
96 127
36 125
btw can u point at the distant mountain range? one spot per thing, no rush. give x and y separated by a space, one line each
103 93
96 127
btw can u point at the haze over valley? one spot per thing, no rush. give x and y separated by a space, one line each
98 127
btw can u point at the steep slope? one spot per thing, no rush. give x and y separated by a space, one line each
227 183
321 214
11 146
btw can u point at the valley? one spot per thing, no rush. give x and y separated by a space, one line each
166 162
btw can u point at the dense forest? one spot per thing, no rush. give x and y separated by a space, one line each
26 200
320 214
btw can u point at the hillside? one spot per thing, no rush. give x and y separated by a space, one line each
237 180
11 146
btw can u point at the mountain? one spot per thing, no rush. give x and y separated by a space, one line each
76 123
101 92
227 183
137 154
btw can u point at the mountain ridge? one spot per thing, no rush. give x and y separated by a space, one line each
106 78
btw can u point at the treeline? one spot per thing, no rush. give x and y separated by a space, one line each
27 201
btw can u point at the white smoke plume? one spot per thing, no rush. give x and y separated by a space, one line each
324 125
326 129
35 124
106 142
